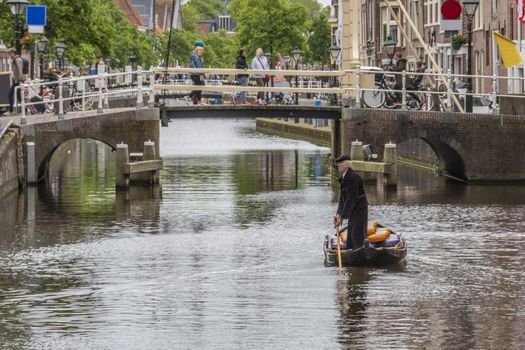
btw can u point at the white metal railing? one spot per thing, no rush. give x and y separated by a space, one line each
360 84
101 91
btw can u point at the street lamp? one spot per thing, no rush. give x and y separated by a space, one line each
41 46
60 48
469 7
286 61
296 54
390 46
334 52
18 8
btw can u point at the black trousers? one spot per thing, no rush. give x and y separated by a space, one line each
357 228
196 95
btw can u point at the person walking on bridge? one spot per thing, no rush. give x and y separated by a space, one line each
353 204
197 78
261 63
17 77
242 78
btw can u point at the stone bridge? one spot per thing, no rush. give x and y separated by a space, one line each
473 147
45 134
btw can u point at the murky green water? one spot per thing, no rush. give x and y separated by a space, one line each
228 255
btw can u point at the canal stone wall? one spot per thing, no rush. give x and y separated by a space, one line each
318 135
130 126
9 169
474 147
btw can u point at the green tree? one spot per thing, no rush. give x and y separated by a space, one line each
221 50
319 40
206 9
275 25
312 6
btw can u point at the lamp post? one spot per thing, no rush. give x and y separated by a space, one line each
369 51
41 46
296 54
390 47
469 7
334 53
60 48
18 8
133 61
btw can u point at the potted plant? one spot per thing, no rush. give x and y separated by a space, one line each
458 41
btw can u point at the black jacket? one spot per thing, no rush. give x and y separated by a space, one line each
241 64
353 196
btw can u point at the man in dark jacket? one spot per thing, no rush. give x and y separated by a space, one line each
353 204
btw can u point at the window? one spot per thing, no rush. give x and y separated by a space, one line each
432 12
389 25
478 18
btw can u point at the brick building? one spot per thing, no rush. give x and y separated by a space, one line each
377 23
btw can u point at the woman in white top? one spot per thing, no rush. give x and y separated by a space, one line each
261 63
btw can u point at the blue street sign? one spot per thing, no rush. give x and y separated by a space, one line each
36 15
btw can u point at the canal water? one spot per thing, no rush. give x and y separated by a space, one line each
228 254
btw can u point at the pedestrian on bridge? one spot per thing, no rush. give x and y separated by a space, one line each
17 77
197 78
241 78
261 63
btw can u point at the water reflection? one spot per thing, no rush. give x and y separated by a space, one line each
227 254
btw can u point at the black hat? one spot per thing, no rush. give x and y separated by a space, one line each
342 158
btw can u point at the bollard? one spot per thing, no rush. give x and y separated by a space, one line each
60 99
22 103
122 157
100 108
404 90
30 163
150 154
390 157
449 91
356 151
140 98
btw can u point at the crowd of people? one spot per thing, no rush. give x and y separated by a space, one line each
259 62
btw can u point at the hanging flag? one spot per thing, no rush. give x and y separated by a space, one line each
521 10
508 50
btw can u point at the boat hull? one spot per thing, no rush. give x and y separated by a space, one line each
366 255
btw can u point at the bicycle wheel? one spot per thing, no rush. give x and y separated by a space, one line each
374 98
89 99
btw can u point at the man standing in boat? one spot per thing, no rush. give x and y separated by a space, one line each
353 204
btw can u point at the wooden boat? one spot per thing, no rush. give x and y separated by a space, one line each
370 254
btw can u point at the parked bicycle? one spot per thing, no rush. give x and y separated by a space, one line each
384 94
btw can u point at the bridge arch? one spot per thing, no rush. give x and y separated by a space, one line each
44 162
449 157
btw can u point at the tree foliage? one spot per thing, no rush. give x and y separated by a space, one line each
319 40
90 29
275 25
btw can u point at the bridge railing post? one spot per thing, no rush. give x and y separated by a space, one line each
495 94
140 98
60 98
82 83
105 86
100 106
22 103
356 150
358 87
403 90
449 90
151 102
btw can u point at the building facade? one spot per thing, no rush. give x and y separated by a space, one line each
379 22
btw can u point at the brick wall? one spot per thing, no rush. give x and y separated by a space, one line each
9 161
133 126
470 146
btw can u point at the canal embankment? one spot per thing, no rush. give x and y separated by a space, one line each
413 152
11 170
321 136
